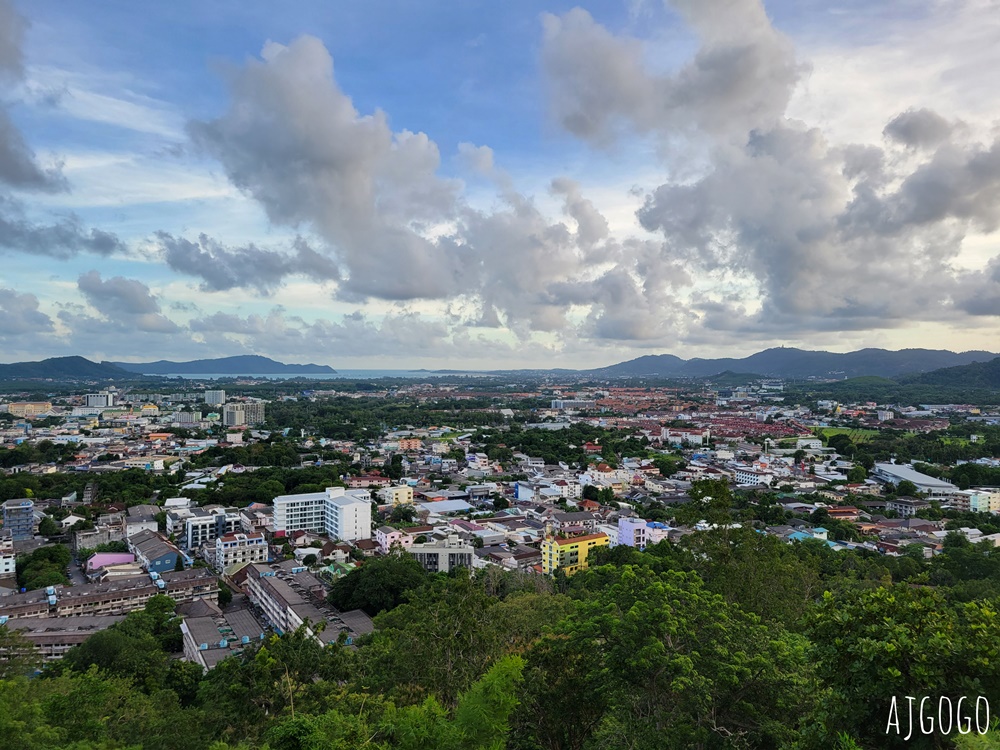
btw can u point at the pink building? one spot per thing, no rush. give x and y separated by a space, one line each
102 559
386 536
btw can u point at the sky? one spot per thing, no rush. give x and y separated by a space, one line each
496 185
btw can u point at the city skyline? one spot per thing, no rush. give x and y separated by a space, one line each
555 185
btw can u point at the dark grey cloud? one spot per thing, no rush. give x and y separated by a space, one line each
222 268
919 128
19 314
63 239
127 304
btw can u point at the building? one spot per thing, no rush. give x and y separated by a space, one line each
906 507
19 519
284 602
387 536
7 557
573 403
154 553
215 398
114 597
927 485
443 555
338 513
29 408
982 499
399 494
53 638
239 548
569 554
209 640
243 413
101 399
632 532
205 525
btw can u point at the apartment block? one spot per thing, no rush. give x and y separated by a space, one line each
443 555
338 513
239 548
399 494
569 554
19 519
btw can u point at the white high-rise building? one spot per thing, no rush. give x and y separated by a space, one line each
338 513
215 398
101 399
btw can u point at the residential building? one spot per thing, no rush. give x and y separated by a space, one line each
19 519
632 532
982 499
117 596
215 398
443 555
238 548
7 556
906 507
53 638
573 403
209 640
399 494
339 513
386 537
153 552
205 525
569 554
238 414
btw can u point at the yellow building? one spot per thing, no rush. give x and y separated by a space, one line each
29 408
399 494
570 554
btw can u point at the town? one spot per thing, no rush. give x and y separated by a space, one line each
246 510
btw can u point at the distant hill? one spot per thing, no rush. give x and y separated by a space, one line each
63 368
242 365
974 375
799 363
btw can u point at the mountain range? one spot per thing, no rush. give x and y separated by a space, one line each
62 368
241 365
799 363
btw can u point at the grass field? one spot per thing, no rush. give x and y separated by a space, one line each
856 436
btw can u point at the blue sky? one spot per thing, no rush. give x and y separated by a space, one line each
480 184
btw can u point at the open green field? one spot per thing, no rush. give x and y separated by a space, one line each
856 436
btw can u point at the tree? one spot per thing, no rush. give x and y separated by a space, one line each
591 492
906 488
225 595
500 502
48 527
18 656
857 474
403 513
310 560
379 585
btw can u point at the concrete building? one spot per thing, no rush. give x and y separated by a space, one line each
906 507
101 399
7 556
632 532
209 640
19 519
215 398
53 638
569 554
927 485
114 597
29 408
338 513
399 494
982 499
443 555
238 548
243 413
205 525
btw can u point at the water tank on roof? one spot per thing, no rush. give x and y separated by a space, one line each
161 584
3 619
244 640
223 643
153 575
203 647
50 590
52 600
